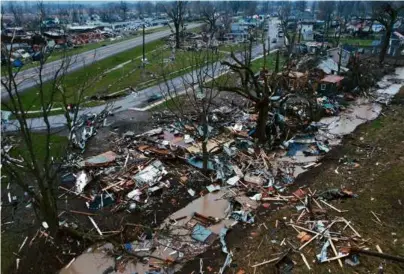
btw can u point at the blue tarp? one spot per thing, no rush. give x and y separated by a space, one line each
18 63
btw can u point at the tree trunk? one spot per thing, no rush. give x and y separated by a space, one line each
49 211
277 62
205 156
205 153
263 109
339 61
385 45
177 35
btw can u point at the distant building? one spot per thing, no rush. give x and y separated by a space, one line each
307 31
335 55
396 43
239 31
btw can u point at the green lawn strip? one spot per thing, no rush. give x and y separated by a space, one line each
356 41
58 146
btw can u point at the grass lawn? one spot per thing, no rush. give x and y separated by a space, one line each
57 146
356 41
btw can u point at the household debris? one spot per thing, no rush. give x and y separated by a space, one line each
86 127
239 175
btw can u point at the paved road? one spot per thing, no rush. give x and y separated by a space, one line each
28 78
140 100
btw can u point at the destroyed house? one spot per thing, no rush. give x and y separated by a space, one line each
330 84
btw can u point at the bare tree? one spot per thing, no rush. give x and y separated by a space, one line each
387 15
176 12
235 6
41 167
148 7
210 16
290 37
198 92
30 163
252 87
225 20
342 19
124 8
75 14
41 14
17 11
250 8
326 12
301 5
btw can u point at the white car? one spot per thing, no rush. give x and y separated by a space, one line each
21 53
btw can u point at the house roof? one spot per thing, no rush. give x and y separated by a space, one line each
332 79
329 65
294 74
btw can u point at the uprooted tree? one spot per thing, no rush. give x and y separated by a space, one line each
176 12
194 96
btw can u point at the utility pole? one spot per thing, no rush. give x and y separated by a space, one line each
144 54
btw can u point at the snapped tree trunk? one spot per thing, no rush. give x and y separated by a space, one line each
385 45
263 110
177 35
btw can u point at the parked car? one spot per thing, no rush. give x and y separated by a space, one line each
154 97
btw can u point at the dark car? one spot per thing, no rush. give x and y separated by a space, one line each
154 97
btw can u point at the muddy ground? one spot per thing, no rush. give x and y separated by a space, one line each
378 146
